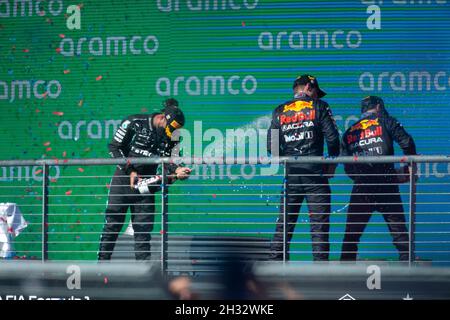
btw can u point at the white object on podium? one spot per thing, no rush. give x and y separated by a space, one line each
11 225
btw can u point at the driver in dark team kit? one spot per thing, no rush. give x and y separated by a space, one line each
376 184
140 135
303 124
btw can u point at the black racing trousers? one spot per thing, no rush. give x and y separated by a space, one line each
142 207
366 199
304 184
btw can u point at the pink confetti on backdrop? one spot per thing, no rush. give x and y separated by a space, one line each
58 113
68 193
99 78
81 170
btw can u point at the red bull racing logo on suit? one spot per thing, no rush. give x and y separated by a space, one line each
300 119
298 106
365 134
364 124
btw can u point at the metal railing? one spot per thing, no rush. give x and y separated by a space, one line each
202 226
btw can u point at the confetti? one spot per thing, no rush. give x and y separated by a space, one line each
38 171
81 170
68 193
162 232
58 113
80 104
64 154
37 110
214 196
243 23
62 36
99 78
48 149
105 280
58 50
66 71
26 50
47 143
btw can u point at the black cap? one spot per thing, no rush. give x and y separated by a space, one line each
170 102
307 78
371 102
174 116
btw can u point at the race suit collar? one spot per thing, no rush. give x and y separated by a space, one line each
368 113
300 95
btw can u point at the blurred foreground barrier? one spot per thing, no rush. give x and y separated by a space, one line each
36 280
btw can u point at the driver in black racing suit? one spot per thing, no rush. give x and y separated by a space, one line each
303 124
375 184
140 135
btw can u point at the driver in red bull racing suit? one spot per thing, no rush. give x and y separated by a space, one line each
301 126
376 186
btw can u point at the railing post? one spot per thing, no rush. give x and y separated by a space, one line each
45 183
164 209
285 214
412 212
